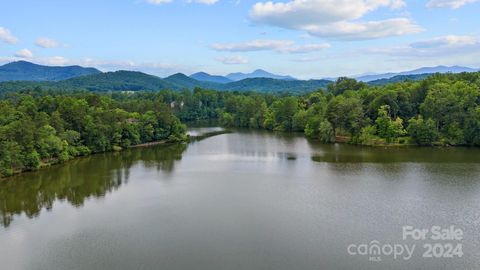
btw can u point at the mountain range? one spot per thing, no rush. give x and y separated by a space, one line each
180 80
21 75
259 73
26 71
114 81
399 78
75 77
423 70
238 76
205 77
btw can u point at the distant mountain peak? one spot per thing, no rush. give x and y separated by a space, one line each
178 75
261 71
205 77
23 62
200 73
19 62
258 73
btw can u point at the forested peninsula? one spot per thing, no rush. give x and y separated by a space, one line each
39 127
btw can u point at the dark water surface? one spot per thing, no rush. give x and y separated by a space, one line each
243 200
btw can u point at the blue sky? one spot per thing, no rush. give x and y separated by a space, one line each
303 38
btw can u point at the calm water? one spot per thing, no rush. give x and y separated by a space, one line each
244 200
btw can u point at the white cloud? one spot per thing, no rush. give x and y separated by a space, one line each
233 60
24 53
435 47
449 3
450 41
307 59
57 61
333 18
307 48
299 13
45 42
254 45
280 46
365 30
397 4
6 36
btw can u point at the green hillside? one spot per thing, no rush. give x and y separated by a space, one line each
275 85
400 78
26 71
116 81
180 81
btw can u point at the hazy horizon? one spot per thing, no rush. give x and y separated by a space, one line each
252 71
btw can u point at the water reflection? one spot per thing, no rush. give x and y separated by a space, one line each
258 145
284 203
96 176
78 180
162 158
341 153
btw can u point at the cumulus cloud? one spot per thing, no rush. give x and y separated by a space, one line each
6 36
24 53
333 18
434 47
299 13
365 30
45 42
449 3
280 46
233 60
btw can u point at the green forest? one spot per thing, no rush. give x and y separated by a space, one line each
443 109
41 127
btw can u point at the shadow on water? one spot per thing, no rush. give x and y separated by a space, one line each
343 153
447 167
80 179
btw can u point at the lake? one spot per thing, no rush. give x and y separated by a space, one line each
243 200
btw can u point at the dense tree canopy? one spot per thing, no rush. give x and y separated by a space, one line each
439 110
41 127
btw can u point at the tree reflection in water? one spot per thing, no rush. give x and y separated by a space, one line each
78 180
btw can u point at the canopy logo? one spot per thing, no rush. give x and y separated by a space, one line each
374 250
438 242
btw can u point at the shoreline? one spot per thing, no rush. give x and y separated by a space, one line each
116 149
208 135
148 144
338 140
